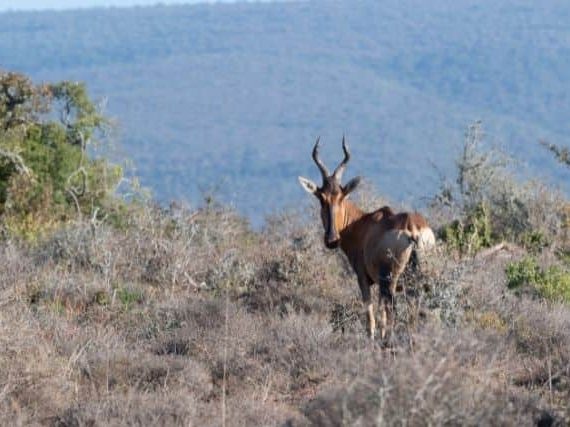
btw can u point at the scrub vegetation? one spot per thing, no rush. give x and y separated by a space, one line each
116 311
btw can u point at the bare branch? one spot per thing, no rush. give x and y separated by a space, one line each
562 154
76 201
16 160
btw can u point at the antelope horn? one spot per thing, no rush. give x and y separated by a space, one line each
340 169
322 167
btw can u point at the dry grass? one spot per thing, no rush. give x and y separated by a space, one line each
104 327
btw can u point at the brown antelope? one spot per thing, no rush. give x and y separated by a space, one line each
378 244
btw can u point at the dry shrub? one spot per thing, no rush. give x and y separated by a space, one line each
15 267
432 295
166 409
159 247
541 339
34 377
182 316
449 379
292 257
127 370
536 333
300 347
292 280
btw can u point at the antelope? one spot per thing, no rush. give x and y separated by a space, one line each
378 245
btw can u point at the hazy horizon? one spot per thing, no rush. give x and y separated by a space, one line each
29 5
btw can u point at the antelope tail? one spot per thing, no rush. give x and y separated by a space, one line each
414 235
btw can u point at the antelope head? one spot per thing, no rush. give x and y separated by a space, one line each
331 195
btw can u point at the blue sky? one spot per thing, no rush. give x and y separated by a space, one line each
73 4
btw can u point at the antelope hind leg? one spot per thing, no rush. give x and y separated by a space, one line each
387 289
371 320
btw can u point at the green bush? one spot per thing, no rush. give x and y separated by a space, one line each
48 175
469 235
129 297
487 203
535 241
552 283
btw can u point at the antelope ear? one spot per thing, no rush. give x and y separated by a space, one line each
351 185
308 185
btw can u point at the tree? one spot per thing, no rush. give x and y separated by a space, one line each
47 176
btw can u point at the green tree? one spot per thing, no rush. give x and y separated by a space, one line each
47 176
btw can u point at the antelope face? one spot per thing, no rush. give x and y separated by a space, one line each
331 196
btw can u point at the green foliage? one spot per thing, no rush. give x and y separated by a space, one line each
552 283
470 197
469 235
489 204
534 240
77 112
46 174
523 272
129 297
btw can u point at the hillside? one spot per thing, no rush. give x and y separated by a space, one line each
230 98
116 311
190 318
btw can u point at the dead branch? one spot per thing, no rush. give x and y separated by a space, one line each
16 160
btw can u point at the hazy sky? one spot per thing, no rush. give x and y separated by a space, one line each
73 4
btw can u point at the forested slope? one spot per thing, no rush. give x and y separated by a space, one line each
232 96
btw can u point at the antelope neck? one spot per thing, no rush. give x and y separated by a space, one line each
349 235
352 213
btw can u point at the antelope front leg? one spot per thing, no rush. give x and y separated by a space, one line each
364 284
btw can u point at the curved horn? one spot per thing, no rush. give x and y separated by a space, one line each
340 168
322 167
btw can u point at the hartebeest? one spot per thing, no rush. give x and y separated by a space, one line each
378 244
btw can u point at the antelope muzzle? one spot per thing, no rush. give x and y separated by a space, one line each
332 240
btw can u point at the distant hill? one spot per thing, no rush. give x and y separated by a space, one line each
233 95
